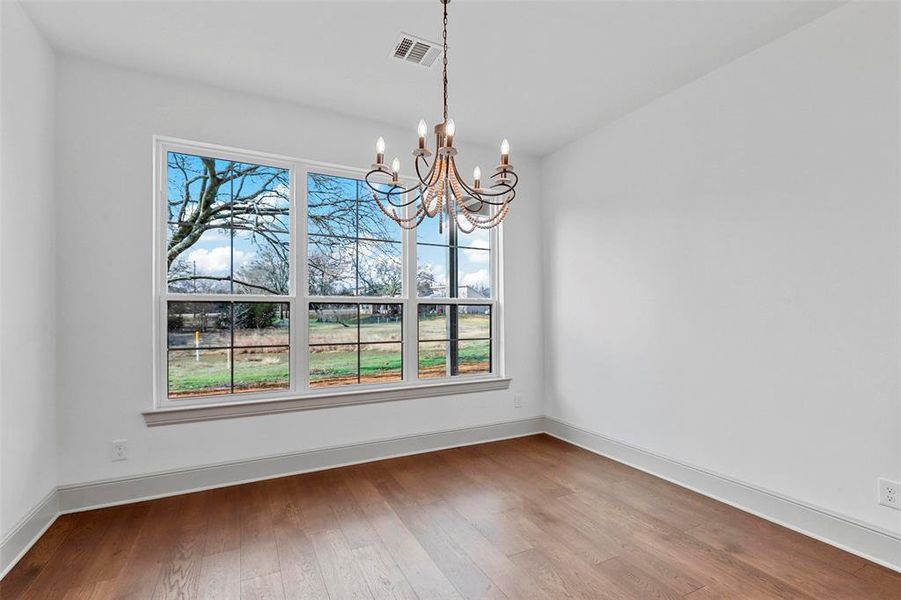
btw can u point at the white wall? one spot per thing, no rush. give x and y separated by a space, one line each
723 269
106 117
27 268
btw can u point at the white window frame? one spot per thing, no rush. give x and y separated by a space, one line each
300 395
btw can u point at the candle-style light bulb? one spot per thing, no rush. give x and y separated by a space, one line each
422 130
505 152
477 177
395 167
450 129
380 150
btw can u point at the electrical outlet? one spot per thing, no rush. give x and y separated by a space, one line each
118 450
517 400
890 493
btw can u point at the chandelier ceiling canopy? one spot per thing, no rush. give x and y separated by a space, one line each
441 191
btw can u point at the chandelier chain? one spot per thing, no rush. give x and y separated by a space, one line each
445 61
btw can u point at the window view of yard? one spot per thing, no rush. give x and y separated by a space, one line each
355 343
454 339
228 244
225 347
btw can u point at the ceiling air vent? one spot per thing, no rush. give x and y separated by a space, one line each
415 50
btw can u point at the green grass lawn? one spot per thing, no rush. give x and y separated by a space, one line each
335 364
212 373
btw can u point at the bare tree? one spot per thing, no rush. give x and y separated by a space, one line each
352 246
238 198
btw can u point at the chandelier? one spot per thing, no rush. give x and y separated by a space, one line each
440 191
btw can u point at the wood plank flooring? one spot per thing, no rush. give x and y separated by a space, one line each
529 518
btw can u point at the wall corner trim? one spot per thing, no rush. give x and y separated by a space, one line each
878 545
27 531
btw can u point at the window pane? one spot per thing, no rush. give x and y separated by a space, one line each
209 200
474 321
474 357
227 221
373 223
262 262
333 323
433 359
332 266
477 239
196 371
380 363
199 324
380 269
204 266
427 232
431 271
199 372
333 365
381 322
460 325
185 173
331 205
433 322
261 369
473 273
261 324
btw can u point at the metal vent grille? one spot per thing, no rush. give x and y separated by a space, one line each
416 50
403 48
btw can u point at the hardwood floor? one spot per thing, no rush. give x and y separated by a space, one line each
526 518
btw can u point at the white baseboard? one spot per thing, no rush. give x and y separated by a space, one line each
74 498
877 545
27 531
880 546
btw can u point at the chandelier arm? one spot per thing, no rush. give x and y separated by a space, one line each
482 195
431 167
502 173
475 219
395 190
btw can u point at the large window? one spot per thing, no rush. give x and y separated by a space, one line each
248 243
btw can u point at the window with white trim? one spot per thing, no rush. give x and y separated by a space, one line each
281 278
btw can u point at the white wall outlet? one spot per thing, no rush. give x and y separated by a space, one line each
890 493
517 400
118 450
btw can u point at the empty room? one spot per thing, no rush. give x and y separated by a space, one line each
450 299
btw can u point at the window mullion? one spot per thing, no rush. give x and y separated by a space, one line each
410 334
302 361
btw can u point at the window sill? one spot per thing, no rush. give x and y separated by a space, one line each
228 410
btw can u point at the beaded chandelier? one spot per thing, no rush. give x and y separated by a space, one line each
441 192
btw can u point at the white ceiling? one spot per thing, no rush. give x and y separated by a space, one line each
539 73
